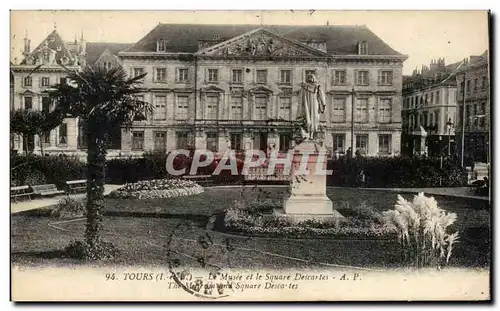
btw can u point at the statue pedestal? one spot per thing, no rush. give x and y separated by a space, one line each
308 200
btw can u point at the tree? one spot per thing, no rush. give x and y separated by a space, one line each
31 122
101 98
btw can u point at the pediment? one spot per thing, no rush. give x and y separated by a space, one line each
261 43
212 88
27 92
260 89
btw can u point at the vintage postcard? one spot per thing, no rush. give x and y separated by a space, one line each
217 156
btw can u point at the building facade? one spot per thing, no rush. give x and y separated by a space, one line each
473 81
236 87
40 69
429 110
220 87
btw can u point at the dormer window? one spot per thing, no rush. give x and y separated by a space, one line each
216 37
362 48
161 45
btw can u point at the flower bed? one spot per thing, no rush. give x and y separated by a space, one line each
157 189
360 223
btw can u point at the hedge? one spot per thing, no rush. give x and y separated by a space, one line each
400 172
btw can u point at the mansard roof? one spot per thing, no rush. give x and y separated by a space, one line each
95 49
185 38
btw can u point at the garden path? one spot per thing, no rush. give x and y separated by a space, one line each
39 203
462 192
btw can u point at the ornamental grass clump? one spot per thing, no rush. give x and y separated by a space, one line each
423 230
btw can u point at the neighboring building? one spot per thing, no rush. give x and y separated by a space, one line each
235 86
473 78
429 110
42 68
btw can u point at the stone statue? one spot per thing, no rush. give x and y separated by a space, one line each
311 105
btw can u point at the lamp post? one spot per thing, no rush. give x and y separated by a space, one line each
352 123
449 124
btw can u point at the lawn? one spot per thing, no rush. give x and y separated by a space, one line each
141 229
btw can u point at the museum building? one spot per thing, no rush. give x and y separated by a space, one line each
220 87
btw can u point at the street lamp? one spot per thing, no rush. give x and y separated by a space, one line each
449 124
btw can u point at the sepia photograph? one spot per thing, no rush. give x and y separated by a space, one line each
250 156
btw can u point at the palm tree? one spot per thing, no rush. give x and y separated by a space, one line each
103 99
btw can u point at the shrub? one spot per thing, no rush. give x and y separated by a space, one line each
69 208
403 172
35 169
83 251
423 230
361 222
157 188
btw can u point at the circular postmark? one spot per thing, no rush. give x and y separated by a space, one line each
198 261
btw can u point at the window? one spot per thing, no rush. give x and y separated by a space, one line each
46 104
436 119
161 45
212 107
362 143
45 139
467 115
338 110
462 86
285 76
432 98
385 77
482 121
426 100
438 99
361 110
309 72
338 142
182 140
161 74
476 84
384 144
362 77
160 107
385 110
362 48
139 116
483 83
339 77
285 108
261 76
236 107
160 142
468 86
63 134
285 140
213 75
63 81
137 71
28 81
182 107
28 102
237 76
236 141
474 114
212 142
137 140
45 81
182 75
261 107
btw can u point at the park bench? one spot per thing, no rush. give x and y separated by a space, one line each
74 186
46 190
199 179
21 192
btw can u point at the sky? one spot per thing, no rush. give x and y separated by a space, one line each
422 35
